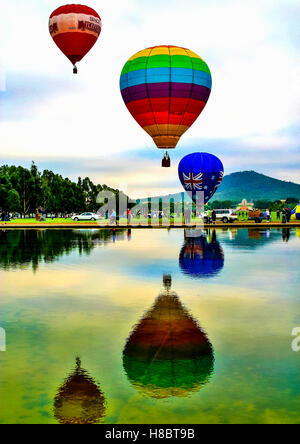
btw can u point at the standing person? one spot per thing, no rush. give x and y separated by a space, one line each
284 216
44 215
129 216
113 217
209 213
278 214
187 216
288 213
214 216
268 214
52 215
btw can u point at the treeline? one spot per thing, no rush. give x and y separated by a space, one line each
25 190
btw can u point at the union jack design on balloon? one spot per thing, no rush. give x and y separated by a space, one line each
201 257
193 182
200 172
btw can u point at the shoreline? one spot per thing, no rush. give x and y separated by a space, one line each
93 226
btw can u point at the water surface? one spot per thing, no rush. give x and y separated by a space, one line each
149 326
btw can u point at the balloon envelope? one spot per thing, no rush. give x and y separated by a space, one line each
296 213
75 29
79 400
165 88
200 173
168 354
200 258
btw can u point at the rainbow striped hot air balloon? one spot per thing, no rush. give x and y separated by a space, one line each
165 88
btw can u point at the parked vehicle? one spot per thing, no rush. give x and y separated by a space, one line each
224 215
86 216
257 216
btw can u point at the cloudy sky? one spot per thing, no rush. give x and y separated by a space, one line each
79 126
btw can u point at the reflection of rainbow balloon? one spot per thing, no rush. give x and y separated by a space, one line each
201 259
168 354
79 400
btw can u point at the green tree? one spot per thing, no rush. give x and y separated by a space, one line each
29 189
13 201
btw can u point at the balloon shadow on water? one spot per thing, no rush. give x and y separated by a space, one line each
79 400
168 354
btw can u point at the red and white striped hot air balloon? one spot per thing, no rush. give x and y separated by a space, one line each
75 29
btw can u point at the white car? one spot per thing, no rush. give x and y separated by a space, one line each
86 216
226 215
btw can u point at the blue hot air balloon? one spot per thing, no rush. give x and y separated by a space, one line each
200 172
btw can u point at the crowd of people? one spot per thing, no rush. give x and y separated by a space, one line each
283 215
6 216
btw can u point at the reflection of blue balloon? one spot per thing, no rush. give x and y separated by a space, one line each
200 172
201 259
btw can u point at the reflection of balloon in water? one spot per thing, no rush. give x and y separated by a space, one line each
75 29
200 174
165 88
201 259
79 400
168 354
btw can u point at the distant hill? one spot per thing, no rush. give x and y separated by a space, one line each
251 186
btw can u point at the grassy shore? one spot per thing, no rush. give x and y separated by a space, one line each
139 223
122 221
48 221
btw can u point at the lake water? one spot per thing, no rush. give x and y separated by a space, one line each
149 326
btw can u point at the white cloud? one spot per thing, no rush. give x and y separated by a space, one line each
255 74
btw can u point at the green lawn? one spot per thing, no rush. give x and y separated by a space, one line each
48 221
122 221
104 222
